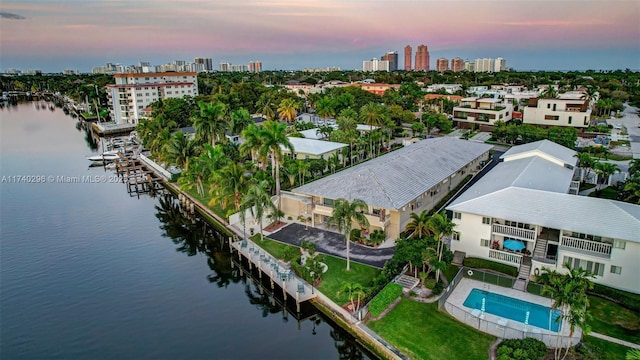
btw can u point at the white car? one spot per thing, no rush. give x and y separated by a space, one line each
617 126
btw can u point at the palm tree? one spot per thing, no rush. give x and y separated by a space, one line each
252 141
604 170
230 183
419 225
258 201
179 150
325 108
347 120
569 294
303 169
549 93
353 290
634 167
345 213
288 110
372 114
274 137
240 120
585 161
202 168
210 123
440 226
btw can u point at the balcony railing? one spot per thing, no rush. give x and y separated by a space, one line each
586 245
505 256
516 232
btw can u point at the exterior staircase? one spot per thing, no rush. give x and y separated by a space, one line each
523 275
407 282
541 247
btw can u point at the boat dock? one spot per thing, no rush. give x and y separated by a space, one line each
278 272
138 178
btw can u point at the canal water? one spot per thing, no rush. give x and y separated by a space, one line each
89 271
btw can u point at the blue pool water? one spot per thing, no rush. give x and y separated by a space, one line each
514 309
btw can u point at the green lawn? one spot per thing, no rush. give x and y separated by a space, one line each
586 186
205 201
478 263
337 274
606 193
602 349
450 272
422 332
614 320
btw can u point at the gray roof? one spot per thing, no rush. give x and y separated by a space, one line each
550 148
312 146
600 217
393 180
534 190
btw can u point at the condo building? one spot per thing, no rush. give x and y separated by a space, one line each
133 92
392 58
558 112
482 112
422 58
457 64
407 58
442 64
207 63
375 65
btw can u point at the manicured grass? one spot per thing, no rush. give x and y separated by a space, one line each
450 272
277 249
491 265
422 332
205 201
337 274
586 186
606 193
602 349
611 319
384 298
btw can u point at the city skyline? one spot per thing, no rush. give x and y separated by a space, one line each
289 35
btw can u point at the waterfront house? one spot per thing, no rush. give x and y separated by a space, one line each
394 185
529 200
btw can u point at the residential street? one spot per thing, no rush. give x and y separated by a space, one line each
630 121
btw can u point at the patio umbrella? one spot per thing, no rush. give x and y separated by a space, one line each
515 245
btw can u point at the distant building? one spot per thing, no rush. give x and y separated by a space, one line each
482 112
255 66
500 65
469 66
484 65
392 58
325 69
407 58
449 88
207 62
422 58
375 65
69 72
568 111
442 64
133 92
457 64
224 66
378 89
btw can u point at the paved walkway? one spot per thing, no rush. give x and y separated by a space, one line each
332 243
614 340
630 121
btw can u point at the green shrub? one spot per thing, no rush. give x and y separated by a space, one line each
491 265
377 237
430 283
623 298
438 287
521 349
382 301
356 235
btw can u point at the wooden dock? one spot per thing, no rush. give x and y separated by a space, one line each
275 270
138 178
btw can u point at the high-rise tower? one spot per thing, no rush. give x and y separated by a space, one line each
422 58
392 58
407 58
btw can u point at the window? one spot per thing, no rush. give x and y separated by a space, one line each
570 118
485 242
616 269
554 107
594 267
619 244
486 220
457 215
455 236
548 106
327 202
551 117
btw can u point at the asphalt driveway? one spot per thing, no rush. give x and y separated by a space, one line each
328 242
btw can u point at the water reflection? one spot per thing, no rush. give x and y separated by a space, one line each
192 235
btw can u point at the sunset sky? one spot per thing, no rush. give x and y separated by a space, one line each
534 34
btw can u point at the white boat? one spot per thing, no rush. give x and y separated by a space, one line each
105 157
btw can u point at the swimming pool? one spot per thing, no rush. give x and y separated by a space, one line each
514 309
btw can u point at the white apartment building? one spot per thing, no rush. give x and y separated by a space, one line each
134 92
570 111
484 65
375 65
483 111
529 200
449 88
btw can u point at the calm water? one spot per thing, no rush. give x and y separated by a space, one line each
88 271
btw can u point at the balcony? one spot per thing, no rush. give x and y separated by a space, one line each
514 232
596 248
323 210
377 220
504 256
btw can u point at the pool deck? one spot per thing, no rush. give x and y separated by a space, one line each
499 326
